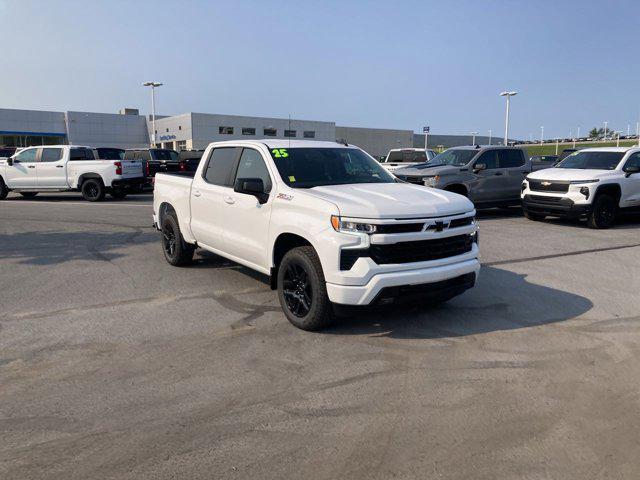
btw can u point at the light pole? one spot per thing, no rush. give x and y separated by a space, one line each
605 132
557 142
628 129
489 136
506 122
541 135
618 140
578 135
153 86
473 138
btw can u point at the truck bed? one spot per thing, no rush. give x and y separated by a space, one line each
174 190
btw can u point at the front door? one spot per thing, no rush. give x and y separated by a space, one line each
631 184
512 163
246 219
207 193
22 174
489 181
52 171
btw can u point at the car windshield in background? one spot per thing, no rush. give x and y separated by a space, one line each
165 155
407 156
457 158
314 167
592 160
110 153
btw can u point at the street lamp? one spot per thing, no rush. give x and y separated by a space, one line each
506 122
489 136
605 132
541 135
153 86
578 135
473 137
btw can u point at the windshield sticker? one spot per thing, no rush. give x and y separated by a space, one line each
292 178
280 152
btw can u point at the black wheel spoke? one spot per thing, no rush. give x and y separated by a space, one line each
296 289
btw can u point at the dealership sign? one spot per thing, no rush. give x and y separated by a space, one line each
167 137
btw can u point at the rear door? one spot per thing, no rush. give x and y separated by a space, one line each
207 193
513 165
52 168
22 174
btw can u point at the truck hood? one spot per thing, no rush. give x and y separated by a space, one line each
568 174
392 200
423 169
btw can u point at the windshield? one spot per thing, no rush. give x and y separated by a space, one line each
314 167
110 153
457 158
592 160
406 156
165 155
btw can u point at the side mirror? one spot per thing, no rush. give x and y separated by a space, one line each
9 161
251 186
631 169
479 167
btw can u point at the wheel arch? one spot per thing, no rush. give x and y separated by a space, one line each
86 176
611 189
459 188
164 209
283 243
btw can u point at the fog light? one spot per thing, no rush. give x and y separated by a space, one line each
585 191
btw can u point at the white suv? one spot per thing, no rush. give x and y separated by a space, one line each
595 183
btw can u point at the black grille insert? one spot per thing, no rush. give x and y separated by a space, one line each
547 186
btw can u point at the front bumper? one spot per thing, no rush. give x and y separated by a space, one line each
416 281
554 206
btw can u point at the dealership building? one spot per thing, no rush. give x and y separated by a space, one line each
129 129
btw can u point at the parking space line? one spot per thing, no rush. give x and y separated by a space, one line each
39 202
558 255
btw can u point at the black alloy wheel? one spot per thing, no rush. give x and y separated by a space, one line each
297 290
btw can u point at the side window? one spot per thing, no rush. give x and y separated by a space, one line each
511 158
51 155
128 155
27 156
252 165
145 155
80 154
489 158
633 160
220 166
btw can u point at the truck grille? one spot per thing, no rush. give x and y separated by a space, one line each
409 252
416 180
544 199
545 186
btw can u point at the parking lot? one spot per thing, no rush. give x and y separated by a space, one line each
114 364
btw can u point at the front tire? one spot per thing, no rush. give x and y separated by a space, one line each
28 194
603 214
177 252
302 290
93 190
4 190
536 217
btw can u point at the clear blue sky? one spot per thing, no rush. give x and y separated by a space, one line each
393 64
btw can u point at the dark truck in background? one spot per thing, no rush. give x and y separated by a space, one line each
154 159
188 161
488 176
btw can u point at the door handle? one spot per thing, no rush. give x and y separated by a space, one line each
196 194
59 166
31 166
229 200
497 174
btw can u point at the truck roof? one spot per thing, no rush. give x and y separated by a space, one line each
484 147
609 149
285 143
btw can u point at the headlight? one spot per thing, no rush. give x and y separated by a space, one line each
431 181
348 226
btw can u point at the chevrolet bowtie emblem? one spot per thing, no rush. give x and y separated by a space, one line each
545 184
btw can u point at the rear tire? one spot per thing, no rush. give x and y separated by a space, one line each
93 190
176 251
4 190
302 290
603 214
28 194
536 217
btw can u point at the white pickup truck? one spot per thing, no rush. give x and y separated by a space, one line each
596 183
60 168
324 220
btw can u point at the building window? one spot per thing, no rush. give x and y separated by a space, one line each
156 132
225 130
290 133
248 131
181 144
270 132
309 134
179 127
167 130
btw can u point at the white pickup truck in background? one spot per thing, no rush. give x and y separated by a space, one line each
60 168
325 221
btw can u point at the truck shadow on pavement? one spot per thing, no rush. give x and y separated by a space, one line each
501 300
56 247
